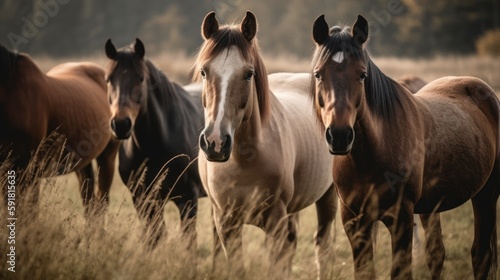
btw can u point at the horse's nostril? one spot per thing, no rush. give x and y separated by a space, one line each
127 123
113 124
329 135
226 144
203 142
350 135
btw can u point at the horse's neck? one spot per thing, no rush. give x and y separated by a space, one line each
373 129
248 134
151 119
368 138
154 117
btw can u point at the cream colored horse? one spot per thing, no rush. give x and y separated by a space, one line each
262 159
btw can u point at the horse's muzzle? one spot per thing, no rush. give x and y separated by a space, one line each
122 128
210 151
339 140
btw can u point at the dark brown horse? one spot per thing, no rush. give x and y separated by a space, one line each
157 120
70 101
399 153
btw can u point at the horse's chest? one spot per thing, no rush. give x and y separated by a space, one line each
129 159
242 186
370 191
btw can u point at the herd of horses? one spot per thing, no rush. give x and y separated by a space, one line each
393 148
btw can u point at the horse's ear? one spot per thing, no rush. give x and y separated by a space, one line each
139 49
110 50
209 26
320 30
360 30
249 26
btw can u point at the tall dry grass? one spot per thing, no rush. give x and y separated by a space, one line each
60 244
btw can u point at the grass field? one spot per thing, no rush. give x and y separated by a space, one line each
60 244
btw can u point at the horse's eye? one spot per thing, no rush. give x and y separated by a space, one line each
203 74
363 76
249 75
317 75
141 79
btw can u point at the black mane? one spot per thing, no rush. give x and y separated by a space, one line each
157 81
8 62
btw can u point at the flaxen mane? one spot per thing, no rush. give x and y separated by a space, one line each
224 38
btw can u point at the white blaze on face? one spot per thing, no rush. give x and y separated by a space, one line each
223 67
338 57
114 101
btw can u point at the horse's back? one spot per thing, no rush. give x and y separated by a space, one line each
469 92
78 107
194 89
284 81
312 173
79 70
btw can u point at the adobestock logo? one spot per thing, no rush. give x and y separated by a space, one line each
383 18
47 9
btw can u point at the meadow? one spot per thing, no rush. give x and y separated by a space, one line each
60 244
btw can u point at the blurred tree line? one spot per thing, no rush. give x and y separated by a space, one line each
397 27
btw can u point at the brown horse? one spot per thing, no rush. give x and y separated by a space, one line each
399 153
262 160
69 100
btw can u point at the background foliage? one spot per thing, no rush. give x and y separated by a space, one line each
402 27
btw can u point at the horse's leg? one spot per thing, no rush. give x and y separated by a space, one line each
229 250
416 238
150 211
218 253
359 232
281 233
106 164
434 247
86 178
326 209
484 247
188 207
400 225
149 203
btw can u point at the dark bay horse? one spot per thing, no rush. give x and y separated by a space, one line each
261 158
70 101
397 153
157 120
